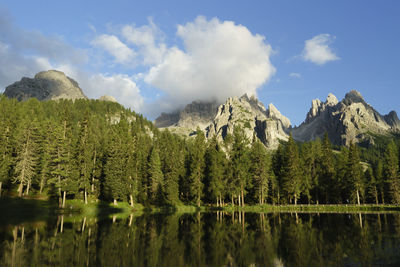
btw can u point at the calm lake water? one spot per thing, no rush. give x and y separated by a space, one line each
205 239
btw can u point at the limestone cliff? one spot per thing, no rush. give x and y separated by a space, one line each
350 120
46 85
269 125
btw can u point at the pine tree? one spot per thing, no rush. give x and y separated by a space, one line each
60 163
156 177
239 163
354 174
260 170
114 169
372 188
196 167
26 158
215 160
291 178
172 163
378 173
327 170
6 146
391 172
278 161
83 155
310 155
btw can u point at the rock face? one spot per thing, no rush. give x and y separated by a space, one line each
46 85
350 120
196 114
108 98
269 125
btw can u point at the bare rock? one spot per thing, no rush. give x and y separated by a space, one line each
350 120
46 85
108 98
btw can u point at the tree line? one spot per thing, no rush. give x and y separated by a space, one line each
90 149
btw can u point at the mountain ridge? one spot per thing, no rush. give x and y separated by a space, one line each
350 120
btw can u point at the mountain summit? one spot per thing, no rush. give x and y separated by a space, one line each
46 85
350 120
269 125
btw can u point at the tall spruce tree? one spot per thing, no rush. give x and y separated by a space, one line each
196 167
6 145
115 168
380 180
26 155
260 170
156 177
172 164
239 163
83 155
391 172
327 170
216 162
354 175
372 188
291 178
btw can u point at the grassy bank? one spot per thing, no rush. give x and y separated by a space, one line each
311 208
15 210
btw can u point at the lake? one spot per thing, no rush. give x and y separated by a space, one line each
205 239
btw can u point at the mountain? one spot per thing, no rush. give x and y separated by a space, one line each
350 120
269 125
196 114
46 85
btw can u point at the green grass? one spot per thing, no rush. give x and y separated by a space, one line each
340 208
96 208
21 210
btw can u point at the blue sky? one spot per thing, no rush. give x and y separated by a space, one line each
156 56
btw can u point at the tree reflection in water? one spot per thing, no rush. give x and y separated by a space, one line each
205 239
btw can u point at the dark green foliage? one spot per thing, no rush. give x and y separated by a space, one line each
215 170
291 176
99 150
391 172
196 167
353 182
260 170
156 177
239 164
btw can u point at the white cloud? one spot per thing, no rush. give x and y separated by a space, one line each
111 44
295 75
120 86
317 50
220 59
24 53
149 41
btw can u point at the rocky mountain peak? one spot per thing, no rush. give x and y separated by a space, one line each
274 113
195 114
268 125
351 120
46 85
353 97
331 100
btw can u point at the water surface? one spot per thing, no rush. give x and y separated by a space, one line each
205 239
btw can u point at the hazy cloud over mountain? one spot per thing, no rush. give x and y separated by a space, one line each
218 59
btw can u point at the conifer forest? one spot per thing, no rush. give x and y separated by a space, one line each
90 149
